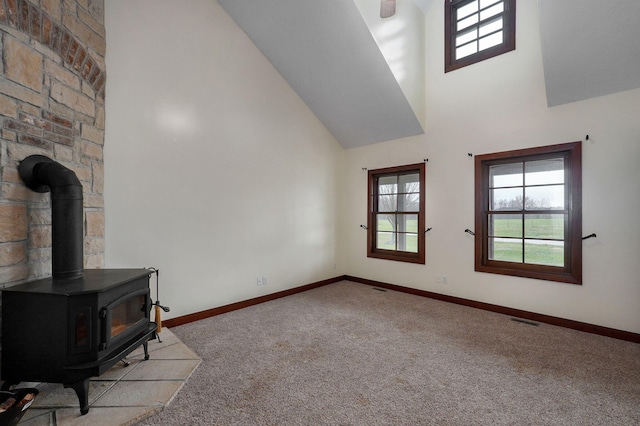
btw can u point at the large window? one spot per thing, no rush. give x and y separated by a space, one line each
476 30
396 213
529 214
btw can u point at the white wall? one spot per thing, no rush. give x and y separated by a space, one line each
401 40
215 171
498 105
205 145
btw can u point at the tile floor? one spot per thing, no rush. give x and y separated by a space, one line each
123 395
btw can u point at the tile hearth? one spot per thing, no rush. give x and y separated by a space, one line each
122 395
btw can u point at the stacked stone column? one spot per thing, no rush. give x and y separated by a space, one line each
52 82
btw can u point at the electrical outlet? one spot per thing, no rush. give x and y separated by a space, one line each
441 279
445 280
260 281
264 280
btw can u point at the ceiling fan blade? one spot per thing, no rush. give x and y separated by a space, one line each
387 8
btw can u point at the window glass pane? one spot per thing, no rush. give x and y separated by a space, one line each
544 226
544 197
388 185
467 22
408 223
409 203
490 27
490 41
544 172
505 225
505 199
492 11
504 175
505 249
467 37
410 242
386 222
387 203
542 252
467 9
386 240
466 50
409 183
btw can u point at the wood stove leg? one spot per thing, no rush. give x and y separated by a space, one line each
145 345
82 390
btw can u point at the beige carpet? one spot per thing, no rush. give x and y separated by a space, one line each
348 354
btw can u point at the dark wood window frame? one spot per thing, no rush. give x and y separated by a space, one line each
509 36
571 272
372 191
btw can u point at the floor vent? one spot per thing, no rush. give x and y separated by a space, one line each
380 289
525 321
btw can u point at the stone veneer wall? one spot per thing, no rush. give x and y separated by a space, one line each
52 85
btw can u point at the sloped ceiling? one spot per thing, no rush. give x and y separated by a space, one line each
326 53
590 48
328 56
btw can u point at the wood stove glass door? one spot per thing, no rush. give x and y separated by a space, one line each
124 314
80 332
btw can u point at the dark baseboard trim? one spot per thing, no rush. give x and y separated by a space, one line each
532 316
172 322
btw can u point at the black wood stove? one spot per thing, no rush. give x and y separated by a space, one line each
78 323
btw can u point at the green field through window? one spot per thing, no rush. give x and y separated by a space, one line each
386 235
536 228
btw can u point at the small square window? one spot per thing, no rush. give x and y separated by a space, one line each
476 30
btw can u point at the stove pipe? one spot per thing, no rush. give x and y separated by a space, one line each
42 174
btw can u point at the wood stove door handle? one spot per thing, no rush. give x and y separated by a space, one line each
158 319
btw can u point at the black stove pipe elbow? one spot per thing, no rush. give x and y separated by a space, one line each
42 174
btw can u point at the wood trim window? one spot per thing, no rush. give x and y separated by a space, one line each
476 30
396 219
528 207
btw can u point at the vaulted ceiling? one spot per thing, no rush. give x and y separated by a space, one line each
590 48
327 54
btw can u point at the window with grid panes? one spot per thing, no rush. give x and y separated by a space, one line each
528 213
476 30
396 213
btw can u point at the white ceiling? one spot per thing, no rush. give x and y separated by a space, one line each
590 48
326 53
328 56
